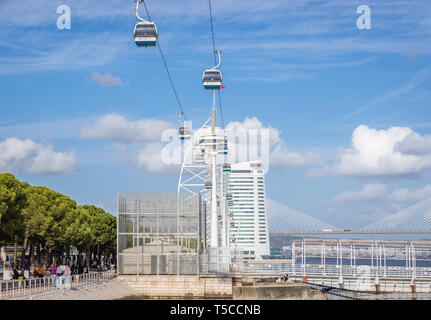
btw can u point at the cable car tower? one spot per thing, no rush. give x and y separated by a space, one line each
201 170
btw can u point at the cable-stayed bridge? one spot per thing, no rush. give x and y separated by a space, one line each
284 220
358 265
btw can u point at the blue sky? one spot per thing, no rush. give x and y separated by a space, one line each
350 107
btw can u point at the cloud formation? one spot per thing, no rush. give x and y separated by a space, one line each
160 150
118 129
278 156
387 154
106 80
150 158
281 158
414 144
254 123
370 193
378 192
34 158
420 77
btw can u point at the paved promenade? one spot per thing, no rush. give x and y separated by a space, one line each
108 290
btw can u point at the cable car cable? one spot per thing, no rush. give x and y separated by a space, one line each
215 61
212 31
166 67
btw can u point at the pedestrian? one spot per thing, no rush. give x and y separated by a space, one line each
80 269
41 271
72 269
53 272
21 275
67 277
36 273
15 274
60 276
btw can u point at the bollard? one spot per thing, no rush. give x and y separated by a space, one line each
377 284
412 285
340 281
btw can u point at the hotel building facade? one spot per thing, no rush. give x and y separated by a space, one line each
248 222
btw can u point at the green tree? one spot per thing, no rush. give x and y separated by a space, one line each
78 231
45 219
12 200
103 229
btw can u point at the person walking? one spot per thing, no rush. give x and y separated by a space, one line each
36 273
15 274
67 277
60 276
53 272
42 271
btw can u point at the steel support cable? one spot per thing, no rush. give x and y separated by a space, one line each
166 66
411 218
215 61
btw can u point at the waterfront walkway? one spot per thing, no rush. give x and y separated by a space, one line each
108 290
91 286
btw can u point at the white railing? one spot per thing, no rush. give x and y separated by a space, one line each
17 288
334 270
315 269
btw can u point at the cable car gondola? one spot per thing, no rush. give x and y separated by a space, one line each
184 132
222 148
226 167
145 32
212 78
199 159
208 185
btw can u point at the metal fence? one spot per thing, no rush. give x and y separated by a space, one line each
17 288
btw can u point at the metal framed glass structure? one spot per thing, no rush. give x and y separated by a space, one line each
159 233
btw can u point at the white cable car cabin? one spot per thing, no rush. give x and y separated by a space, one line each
184 133
212 79
222 147
199 158
145 32
226 167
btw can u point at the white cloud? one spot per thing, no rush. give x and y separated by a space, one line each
106 80
374 154
165 156
420 77
34 158
81 51
415 144
254 123
406 195
370 193
280 157
150 158
378 192
117 128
